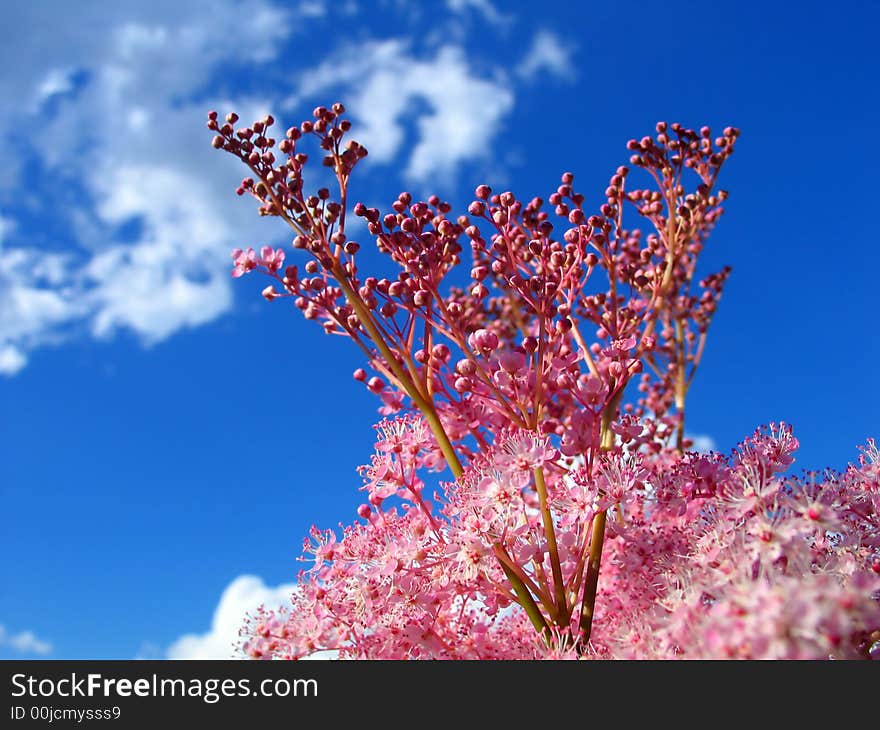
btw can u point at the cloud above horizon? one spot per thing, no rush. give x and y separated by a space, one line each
24 642
243 595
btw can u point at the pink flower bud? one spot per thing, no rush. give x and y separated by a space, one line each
440 351
483 340
478 291
421 298
465 367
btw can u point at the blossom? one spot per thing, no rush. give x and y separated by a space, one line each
272 259
549 381
525 451
244 261
676 584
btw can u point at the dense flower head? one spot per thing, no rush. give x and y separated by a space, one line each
688 573
553 385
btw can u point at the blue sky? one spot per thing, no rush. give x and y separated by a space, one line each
167 437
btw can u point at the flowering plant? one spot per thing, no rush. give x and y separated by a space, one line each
575 523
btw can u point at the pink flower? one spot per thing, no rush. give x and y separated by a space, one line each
272 259
525 451
580 435
244 261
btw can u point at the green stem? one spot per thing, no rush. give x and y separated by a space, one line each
550 534
597 537
591 583
526 600
680 385
425 406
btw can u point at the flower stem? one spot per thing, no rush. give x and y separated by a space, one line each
591 583
597 537
526 600
550 534
681 385
425 406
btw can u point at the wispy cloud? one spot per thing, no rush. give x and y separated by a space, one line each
24 642
484 8
35 299
702 442
56 81
11 360
548 54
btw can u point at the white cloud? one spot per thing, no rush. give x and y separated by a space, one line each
7 225
90 38
149 651
313 9
175 276
25 642
142 154
243 595
465 110
35 300
548 53
152 217
702 442
483 7
56 81
11 360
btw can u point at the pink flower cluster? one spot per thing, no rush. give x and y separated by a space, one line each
706 557
576 523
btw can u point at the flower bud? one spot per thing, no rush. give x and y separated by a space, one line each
440 351
465 367
483 339
421 298
478 291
